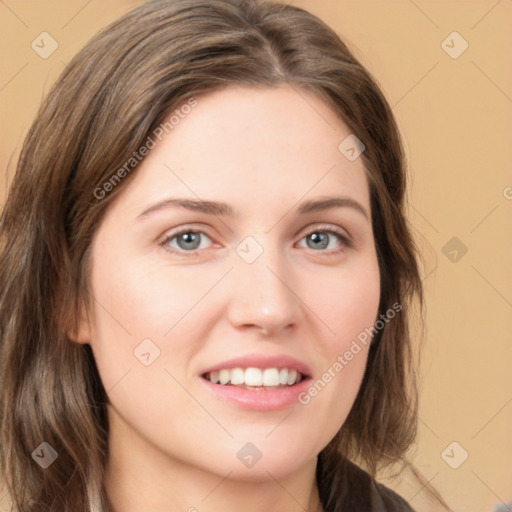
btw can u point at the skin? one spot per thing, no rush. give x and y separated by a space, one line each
173 444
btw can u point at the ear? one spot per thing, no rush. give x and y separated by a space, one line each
81 333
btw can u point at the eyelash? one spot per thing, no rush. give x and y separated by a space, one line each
344 240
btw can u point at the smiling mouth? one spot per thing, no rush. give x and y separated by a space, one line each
255 378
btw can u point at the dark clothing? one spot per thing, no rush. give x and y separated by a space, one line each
375 497
351 489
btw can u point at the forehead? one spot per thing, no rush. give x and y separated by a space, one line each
254 148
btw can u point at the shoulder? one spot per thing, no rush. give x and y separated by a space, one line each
388 500
376 496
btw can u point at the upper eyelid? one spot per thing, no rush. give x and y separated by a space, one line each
325 227
169 235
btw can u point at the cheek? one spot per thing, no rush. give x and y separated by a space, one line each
144 333
348 309
134 302
347 304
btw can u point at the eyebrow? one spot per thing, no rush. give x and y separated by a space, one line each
225 210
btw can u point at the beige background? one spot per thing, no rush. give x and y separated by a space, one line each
455 114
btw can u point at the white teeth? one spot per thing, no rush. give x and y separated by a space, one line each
269 377
292 377
224 376
237 376
253 377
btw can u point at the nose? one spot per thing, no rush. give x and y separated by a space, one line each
263 296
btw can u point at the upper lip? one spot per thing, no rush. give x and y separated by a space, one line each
261 361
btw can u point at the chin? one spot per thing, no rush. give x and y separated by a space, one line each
264 461
269 470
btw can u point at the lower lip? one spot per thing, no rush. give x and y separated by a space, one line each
258 399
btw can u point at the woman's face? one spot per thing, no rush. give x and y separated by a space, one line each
252 285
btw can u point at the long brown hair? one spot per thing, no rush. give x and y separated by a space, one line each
108 100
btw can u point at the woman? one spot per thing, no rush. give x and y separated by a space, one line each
207 274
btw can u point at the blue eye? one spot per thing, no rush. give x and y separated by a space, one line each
321 239
186 240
